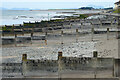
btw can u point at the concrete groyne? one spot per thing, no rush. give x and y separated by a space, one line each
67 65
93 67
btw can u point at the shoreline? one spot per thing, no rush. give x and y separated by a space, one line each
65 12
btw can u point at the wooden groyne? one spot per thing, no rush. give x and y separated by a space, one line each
64 66
50 25
47 26
61 34
68 65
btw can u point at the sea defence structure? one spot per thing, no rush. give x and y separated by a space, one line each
64 67
51 25
68 67
47 26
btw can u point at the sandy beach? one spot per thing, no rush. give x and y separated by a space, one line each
71 44
74 45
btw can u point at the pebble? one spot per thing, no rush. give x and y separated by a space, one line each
80 49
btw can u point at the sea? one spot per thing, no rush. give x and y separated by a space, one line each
10 17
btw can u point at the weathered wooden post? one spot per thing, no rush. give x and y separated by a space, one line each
20 26
107 33
3 32
71 27
95 55
117 61
118 33
76 30
76 35
45 42
13 28
100 22
46 33
32 31
111 23
62 37
59 55
114 72
81 25
31 37
92 31
31 34
59 64
46 37
69 22
15 39
23 28
118 28
24 60
117 67
24 57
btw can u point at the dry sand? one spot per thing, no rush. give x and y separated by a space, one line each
107 48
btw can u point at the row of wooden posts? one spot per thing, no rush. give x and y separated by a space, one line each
95 57
77 33
33 26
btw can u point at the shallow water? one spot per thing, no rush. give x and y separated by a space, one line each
10 17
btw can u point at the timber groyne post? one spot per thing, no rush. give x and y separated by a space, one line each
76 35
59 64
62 37
15 39
108 33
95 55
24 60
92 33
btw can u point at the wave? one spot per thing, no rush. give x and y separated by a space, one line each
22 17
